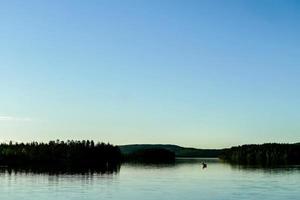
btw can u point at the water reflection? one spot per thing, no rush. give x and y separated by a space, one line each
197 160
267 169
109 169
115 169
184 179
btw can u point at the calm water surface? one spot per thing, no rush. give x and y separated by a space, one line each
183 180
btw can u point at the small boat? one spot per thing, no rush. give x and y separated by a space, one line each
204 165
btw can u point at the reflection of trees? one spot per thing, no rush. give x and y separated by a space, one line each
267 169
111 169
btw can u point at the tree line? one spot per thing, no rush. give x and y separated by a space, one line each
72 153
265 154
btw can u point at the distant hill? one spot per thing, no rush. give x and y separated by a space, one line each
151 155
178 150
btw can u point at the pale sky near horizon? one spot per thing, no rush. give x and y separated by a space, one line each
205 74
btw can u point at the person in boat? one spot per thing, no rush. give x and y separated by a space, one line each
204 165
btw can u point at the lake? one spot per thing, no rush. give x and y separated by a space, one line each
183 180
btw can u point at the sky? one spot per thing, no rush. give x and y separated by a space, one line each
206 74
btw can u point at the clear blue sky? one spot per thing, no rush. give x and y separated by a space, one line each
194 73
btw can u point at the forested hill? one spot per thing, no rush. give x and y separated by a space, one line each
59 153
178 150
264 154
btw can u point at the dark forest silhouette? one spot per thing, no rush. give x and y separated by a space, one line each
59 154
265 154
